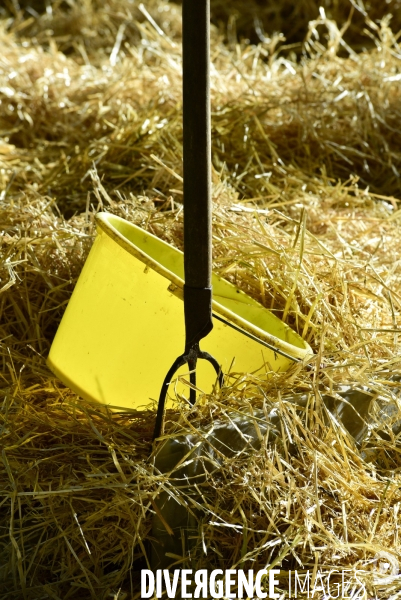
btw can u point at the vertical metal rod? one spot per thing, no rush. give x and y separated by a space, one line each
197 144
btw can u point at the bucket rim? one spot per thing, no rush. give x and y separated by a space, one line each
287 349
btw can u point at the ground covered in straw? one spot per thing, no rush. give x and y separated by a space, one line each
306 190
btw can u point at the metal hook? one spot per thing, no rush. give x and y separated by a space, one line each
191 359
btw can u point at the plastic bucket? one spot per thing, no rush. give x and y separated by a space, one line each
124 324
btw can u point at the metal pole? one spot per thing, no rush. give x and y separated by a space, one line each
197 168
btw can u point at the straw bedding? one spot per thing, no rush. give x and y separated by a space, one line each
306 189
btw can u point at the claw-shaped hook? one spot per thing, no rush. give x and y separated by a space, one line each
191 358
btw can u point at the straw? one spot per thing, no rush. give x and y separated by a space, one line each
306 220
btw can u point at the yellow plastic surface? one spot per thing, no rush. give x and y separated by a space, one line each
124 324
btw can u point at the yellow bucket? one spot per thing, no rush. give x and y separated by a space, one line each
124 324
